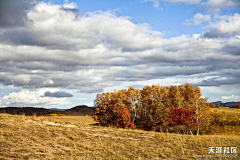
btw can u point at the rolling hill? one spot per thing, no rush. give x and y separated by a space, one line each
80 110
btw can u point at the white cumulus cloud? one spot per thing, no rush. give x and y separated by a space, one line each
227 25
27 97
198 19
216 6
68 5
230 97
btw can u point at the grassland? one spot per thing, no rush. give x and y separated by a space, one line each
227 110
84 120
23 137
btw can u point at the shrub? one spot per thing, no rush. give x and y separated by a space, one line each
236 106
211 105
148 126
182 120
114 114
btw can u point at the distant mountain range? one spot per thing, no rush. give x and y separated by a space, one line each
81 110
225 104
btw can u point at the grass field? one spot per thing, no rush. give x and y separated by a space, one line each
84 120
23 137
227 110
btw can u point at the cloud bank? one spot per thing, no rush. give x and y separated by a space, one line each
90 52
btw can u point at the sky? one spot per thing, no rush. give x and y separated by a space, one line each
62 53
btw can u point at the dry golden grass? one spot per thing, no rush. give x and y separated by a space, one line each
24 137
227 110
85 120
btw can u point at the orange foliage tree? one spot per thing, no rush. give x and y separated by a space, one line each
114 114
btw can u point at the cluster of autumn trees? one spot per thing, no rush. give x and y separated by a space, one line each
236 106
179 109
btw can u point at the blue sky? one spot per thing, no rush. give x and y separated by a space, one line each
167 18
62 53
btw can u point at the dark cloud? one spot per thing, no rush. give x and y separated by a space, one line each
232 46
13 13
73 10
58 94
220 81
213 34
224 77
232 50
